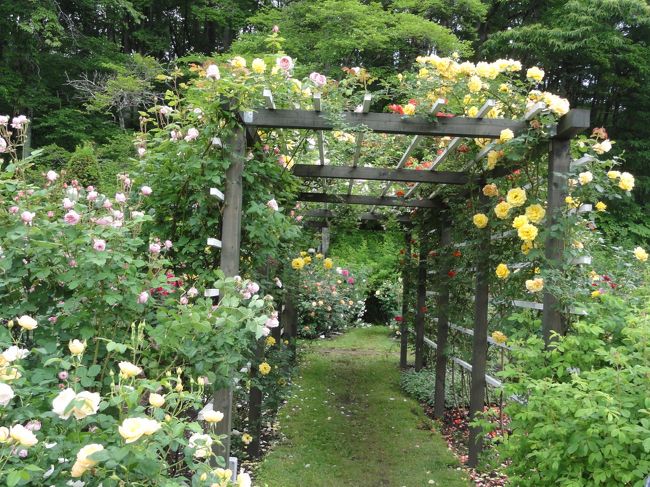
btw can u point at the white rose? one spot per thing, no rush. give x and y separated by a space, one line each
14 353
127 370
4 434
211 416
6 394
27 322
85 404
156 400
132 429
201 443
22 435
84 463
76 347
61 401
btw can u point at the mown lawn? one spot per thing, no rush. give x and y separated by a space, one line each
348 423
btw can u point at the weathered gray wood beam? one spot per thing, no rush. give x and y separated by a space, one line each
379 174
388 123
574 122
323 213
365 200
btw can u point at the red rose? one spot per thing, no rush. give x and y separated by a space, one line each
451 273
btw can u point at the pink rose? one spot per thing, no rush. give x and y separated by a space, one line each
192 134
193 292
3 145
27 217
120 197
154 248
345 273
72 217
184 300
143 297
92 195
275 29
99 245
246 294
118 214
174 135
266 332
299 218
285 63
146 190
168 244
51 176
18 122
273 204
50 214
212 72
68 204
107 203
13 210
253 287
142 151
63 375
105 220
4 120
350 280
272 323
318 79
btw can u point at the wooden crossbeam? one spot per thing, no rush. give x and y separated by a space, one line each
322 213
574 122
379 174
385 123
365 200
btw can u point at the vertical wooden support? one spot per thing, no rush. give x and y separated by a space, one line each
325 240
230 241
421 302
406 284
479 342
255 404
443 318
558 167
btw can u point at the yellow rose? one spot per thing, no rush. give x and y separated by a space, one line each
614 174
535 285
499 337
527 246
502 210
128 370
535 213
29 323
502 271
474 84
577 244
307 260
22 435
472 111
319 256
519 221
270 341
246 438
298 263
212 416
506 135
480 220
423 73
585 177
600 206
4 434
409 109
595 294
224 474
238 62
626 183
303 253
535 74
492 158
490 190
516 196
640 254
156 400
132 429
328 263
258 66
264 368
76 347
527 231
504 88
571 202
84 463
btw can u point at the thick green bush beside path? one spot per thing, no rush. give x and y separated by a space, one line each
348 423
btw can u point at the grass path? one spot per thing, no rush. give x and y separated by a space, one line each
348 424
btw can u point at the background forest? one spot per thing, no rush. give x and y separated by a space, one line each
82 69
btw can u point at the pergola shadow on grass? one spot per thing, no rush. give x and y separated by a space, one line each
456 128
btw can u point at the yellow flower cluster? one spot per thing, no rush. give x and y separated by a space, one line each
298 263
527 232
499 337
535 285
535 213
493 157
328 263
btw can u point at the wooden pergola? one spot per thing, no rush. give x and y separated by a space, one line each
416 128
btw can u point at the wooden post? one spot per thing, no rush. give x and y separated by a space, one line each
288 319
553 320
325 240
406 284
420 303
443 319
230 241
255 404
479 342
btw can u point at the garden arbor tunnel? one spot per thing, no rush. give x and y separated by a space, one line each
468 180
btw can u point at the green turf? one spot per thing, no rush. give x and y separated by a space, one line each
348 424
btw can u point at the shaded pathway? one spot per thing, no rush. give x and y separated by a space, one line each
348 424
